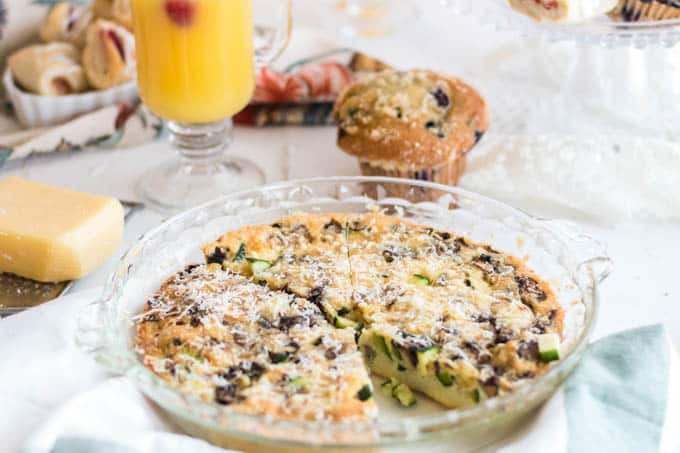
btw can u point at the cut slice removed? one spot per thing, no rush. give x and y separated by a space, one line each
421 376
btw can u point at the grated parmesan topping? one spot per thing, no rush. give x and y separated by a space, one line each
270 325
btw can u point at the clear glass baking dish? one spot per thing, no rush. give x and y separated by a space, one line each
572 262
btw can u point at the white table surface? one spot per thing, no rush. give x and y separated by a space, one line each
643 289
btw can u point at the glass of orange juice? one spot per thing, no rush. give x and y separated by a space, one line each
196 68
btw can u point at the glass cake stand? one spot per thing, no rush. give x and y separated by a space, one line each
600 31
604 76
594 103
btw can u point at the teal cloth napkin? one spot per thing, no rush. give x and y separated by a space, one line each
616 400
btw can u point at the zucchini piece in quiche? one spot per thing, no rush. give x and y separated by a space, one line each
400 392
549 347
418 368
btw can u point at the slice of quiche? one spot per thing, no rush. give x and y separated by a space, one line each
455 320
305 255
227 339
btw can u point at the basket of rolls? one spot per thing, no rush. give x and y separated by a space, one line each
84 60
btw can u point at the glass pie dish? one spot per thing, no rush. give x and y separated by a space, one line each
573 263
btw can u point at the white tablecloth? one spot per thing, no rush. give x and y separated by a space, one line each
643 289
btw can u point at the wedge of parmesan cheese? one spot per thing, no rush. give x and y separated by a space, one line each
53 234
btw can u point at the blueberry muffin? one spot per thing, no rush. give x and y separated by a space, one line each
646 10
416 124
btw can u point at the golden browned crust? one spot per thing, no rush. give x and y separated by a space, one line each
413 120
550 303
269 241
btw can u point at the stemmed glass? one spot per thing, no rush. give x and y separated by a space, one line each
196 64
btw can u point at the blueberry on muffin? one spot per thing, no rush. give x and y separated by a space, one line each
646 10
415 124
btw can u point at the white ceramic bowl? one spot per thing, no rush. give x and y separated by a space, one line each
34 110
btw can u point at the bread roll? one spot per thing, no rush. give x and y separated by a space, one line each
109 55
116 10
48 69
66 22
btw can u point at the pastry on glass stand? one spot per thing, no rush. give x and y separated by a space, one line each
646 10
563 10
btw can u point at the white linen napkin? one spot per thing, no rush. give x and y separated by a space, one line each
55 399
113 417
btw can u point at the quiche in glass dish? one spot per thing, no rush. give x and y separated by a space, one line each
328 315
456 320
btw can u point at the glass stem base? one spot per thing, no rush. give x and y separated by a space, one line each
201 172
